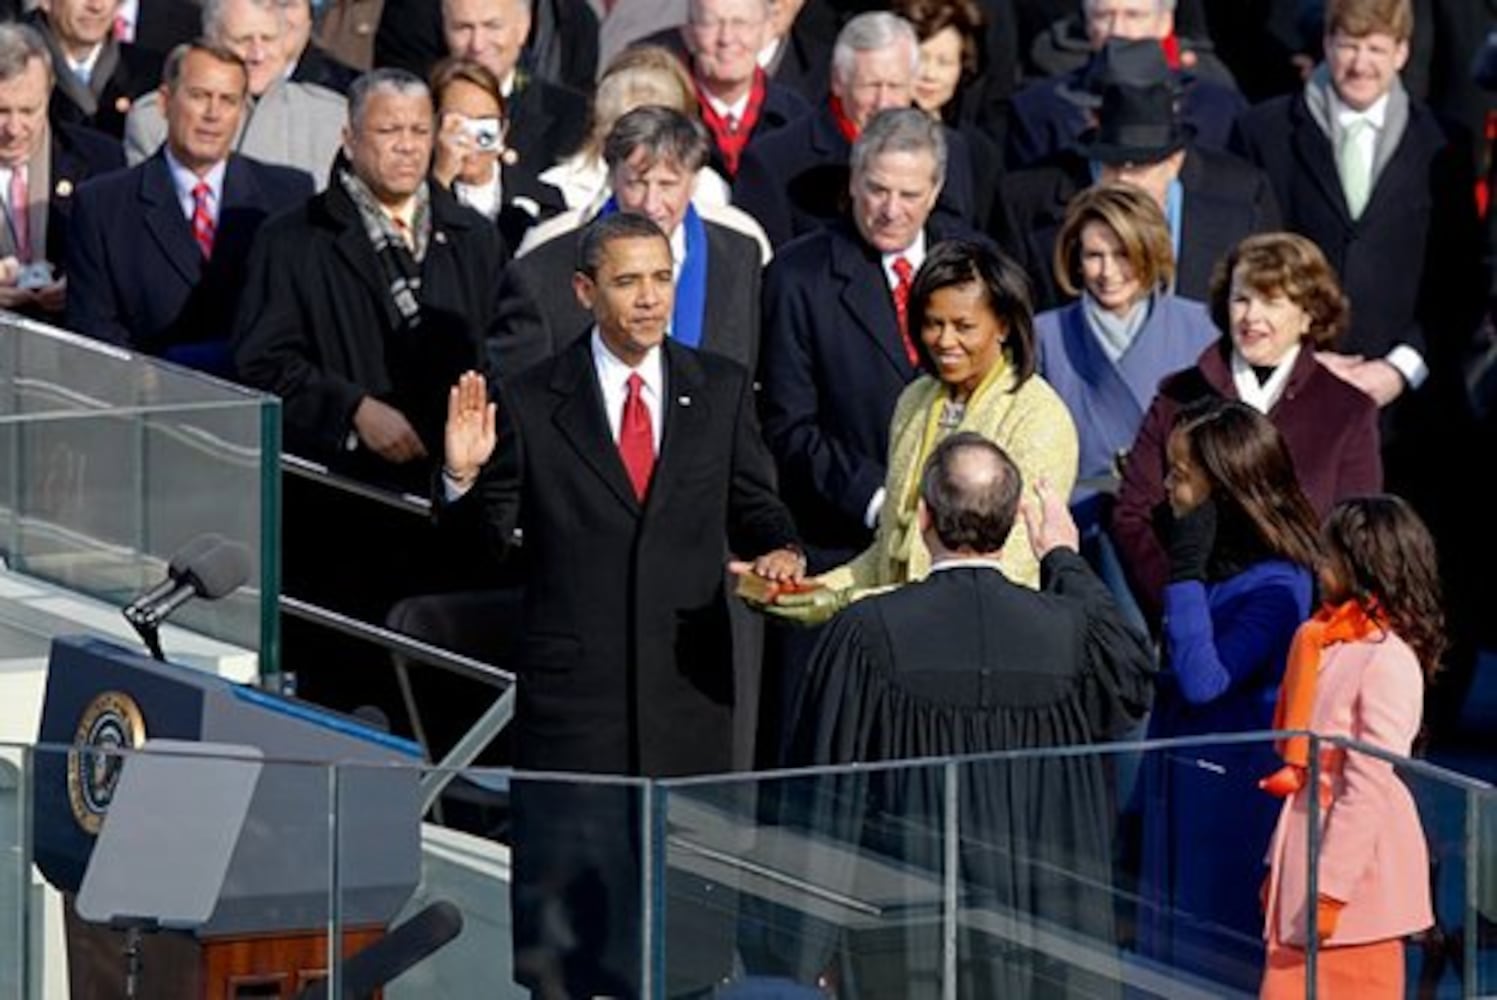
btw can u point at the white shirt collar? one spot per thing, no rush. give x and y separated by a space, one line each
724 109
1262 396
914 253
613 376
678 249
486 198
507 85
84 68
185 180
965 562
1375 115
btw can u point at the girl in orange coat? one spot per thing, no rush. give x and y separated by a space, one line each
1366 657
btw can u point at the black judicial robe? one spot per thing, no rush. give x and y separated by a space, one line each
967 662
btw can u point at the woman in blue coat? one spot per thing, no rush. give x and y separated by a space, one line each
1243 545
1106 353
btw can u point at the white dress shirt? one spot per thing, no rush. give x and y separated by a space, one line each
486 199
83 68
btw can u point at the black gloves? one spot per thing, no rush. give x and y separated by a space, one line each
1191 538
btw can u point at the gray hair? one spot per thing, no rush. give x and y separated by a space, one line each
869 32
971 488
213 14
529 5
900 130
664 134
606 229
387 79
1164 6
19 44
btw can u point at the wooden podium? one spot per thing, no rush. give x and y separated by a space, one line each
178 964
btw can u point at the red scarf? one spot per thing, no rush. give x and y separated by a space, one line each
844 124
1345 622
730 142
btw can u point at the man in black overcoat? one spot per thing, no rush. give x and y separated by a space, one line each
968 662
630 466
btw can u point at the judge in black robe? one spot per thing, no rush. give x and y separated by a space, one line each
966 662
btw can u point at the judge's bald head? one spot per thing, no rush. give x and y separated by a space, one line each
970 491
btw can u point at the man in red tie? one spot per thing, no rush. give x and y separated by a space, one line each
631 465
836 351
157 253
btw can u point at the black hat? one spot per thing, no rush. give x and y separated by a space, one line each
1135 125
1132 62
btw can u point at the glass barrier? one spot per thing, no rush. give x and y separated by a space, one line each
109 463
1006 875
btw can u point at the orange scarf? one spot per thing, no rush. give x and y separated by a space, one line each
1345 622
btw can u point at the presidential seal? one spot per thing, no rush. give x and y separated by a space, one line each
111 722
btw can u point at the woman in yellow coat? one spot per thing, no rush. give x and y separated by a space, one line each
972 323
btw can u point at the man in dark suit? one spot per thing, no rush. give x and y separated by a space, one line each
794 180
41 166
97 77
361 306
652 154
720 42
836 354
546 121
1369 174
1049 114
310 62
156 252
631 465
968 662
1210 199
562 46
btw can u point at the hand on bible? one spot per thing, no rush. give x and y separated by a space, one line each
385 431
470 433
808 607
1048 521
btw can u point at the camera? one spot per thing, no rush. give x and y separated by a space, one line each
486 133
37 274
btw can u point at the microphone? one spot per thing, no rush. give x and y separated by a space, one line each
194 550
209 566
392 955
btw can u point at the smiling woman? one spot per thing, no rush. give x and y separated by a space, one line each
970 306
1279 301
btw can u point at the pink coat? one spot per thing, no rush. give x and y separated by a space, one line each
1373 855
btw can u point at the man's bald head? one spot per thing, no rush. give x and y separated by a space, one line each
971 489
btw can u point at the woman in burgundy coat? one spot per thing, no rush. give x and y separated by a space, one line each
1279 302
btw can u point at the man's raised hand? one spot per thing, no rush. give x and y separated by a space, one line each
470 433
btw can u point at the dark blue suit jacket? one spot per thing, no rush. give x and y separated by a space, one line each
136 275
794 180
832 364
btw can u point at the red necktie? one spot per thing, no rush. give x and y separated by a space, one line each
636 438
202 219
903 272
20 213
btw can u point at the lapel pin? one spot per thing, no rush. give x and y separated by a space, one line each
684 400
122 105
440 237
64 188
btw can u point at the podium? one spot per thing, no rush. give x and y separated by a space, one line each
223 849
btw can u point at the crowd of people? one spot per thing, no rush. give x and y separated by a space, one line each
1043 370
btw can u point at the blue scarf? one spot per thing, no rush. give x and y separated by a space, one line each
691 287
